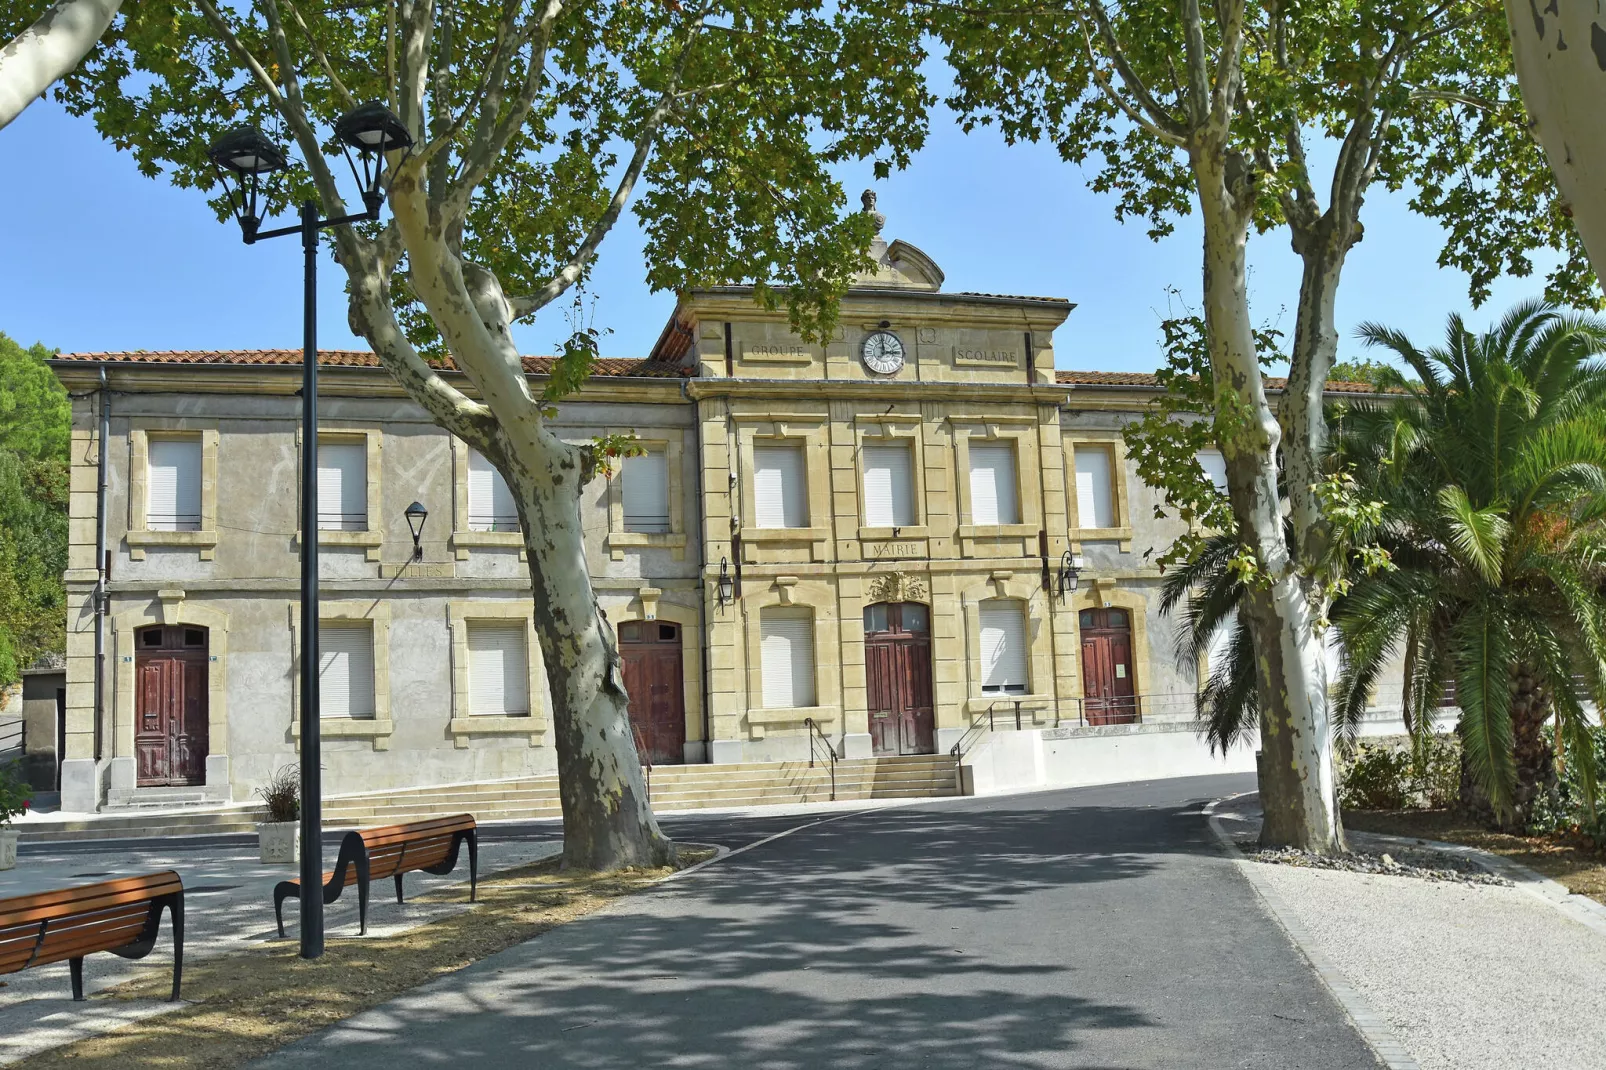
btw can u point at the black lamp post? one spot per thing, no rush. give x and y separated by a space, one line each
246 153
416 514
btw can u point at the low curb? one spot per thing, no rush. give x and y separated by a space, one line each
1372 1026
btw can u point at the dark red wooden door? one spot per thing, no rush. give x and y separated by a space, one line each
170 714
652 669
1109 684
897 665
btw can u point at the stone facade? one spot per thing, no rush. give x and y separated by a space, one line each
725 380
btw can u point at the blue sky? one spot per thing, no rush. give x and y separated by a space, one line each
98 257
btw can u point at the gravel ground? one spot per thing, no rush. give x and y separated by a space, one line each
1421 863
1471 977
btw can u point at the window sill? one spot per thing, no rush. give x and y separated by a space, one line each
464 541
907 531
205 541
462 729
618 541
373 728
1121 535
369 540
997 531
784 534
1004 703
760 718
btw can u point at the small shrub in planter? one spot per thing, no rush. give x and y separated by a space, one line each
276 838
14 796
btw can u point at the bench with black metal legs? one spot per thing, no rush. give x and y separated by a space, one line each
119 916
374 854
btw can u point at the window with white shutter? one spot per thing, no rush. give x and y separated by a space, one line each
1215 469
1221 643
646 492
173 484
889 497
490 503
993 498
498 669
1095 491
346 669
786 654
1003 647
780 490
343 486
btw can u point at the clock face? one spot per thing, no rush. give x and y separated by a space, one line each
882 352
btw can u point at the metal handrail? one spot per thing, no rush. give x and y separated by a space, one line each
973 734
646 759
818 733
20 735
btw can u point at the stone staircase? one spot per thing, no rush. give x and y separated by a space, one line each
674 787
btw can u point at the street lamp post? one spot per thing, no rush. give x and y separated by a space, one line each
245 152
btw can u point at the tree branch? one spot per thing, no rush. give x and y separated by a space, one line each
1159 116
1102 80
49 49
323 60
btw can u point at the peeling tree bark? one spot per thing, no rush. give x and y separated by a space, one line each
50 48
1559 47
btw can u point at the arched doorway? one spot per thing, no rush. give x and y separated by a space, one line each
650 650
1109 679
170 706
897 667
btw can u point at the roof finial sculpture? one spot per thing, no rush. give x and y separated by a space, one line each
868 200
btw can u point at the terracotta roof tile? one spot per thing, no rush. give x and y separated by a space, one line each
1147 379
1006 297
351 358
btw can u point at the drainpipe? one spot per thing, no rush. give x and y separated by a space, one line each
102 600
702 580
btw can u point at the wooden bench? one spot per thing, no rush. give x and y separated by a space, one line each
374 854
119 916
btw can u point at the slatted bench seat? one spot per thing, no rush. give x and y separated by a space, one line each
119 916
390 851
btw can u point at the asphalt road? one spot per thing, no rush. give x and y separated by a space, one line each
1093 928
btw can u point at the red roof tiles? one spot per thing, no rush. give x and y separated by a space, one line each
1146 379
353 358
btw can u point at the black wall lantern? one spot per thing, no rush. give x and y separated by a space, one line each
416 514
727 586
1070 574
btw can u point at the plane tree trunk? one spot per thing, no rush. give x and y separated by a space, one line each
56 43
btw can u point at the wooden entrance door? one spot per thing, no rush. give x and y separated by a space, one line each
897 665
1109 683
652 669
170 706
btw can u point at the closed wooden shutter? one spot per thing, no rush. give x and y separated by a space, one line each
346 669
173 485
1215 469
498 670
779 490
646 492
1003 646
786 646
1095 494
343 486
993 498
889 499
490 503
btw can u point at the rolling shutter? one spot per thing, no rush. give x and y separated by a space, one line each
173 485
346 669
1215 469
343 486
889 499
490 503
498 670
1221 643
646 492
992 485
1003 647
786 648
1095 498
779 490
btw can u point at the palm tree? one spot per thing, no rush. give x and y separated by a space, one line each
1492 471
1492 474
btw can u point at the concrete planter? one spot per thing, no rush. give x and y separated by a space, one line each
279 842
8 848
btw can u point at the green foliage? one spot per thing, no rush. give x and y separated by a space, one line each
1373 372
282 794
1424 773
1568 810
14 794
35 420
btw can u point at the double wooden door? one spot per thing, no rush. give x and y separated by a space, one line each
1109 687
897 665
651 654
170 706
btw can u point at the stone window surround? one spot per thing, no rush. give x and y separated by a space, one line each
671 442
1021 430
377 728
648 606
812 431
460 613
893 428
139 459
1115 443
371 538
463 541
1025 587
790 592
